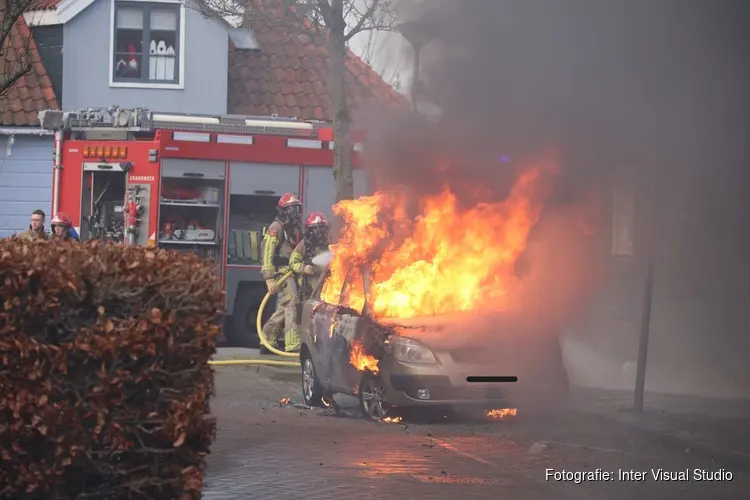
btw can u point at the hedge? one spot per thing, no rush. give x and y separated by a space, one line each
104 383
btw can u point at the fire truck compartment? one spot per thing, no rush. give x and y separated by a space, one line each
191 203
102 202
249 216
254 190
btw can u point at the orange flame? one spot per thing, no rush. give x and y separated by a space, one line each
362 361
501 413
448 259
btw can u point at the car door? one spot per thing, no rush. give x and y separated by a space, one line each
346 328
317 318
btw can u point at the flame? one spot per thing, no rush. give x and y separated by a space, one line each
392 420
501 413
362 361
285 401
446 259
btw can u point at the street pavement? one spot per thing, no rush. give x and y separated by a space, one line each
265 448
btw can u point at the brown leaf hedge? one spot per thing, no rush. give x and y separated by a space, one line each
104 382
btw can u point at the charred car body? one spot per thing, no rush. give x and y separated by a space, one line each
392 365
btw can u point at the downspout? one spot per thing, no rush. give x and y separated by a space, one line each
57 168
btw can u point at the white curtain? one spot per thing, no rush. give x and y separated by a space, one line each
164 20
129 18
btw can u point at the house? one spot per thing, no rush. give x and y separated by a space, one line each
161 55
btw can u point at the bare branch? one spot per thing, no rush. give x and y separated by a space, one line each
14 44
365 18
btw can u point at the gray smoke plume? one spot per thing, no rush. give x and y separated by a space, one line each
656 91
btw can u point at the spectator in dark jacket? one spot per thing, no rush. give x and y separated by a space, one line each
36 228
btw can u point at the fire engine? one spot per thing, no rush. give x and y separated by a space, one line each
200 183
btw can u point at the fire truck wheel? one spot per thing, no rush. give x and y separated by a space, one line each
244 332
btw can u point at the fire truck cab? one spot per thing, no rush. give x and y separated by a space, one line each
199 183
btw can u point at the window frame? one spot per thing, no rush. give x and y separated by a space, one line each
180 59
366 281
321 282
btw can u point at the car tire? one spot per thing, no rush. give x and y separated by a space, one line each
373 400
312 390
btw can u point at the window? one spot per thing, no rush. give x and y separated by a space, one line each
146 43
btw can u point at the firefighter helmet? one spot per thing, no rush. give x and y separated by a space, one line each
289 200
316 219
61 219
289 211
317 232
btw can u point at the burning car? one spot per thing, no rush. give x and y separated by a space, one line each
420 305
427 362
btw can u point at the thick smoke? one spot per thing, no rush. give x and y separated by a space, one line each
650 91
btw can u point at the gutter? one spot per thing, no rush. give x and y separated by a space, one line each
25 131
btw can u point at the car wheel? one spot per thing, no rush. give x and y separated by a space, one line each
373 400
312 391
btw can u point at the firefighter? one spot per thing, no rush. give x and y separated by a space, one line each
36 228
313 243
278 243
62 228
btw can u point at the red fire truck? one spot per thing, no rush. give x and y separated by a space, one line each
186 182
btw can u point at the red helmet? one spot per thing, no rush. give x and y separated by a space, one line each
289 200
316 219
61 219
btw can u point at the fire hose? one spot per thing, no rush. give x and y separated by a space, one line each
259 326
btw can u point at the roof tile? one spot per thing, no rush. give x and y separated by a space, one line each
32 92
302 84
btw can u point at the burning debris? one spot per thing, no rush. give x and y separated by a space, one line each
502 413
291 403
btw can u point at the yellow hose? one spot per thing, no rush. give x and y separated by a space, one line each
269 362
259 326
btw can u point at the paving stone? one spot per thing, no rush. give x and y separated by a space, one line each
264 450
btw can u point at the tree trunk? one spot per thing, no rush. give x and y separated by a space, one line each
342 152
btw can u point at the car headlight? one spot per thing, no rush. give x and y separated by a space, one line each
411 351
